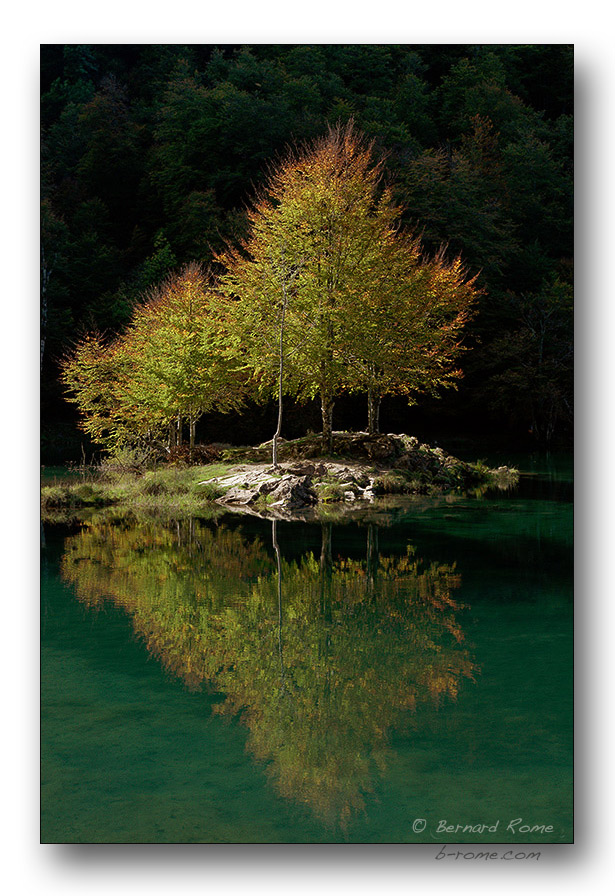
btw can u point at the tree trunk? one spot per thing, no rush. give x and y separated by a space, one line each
327 403
179 430
373 411
276 435
192 434
278 431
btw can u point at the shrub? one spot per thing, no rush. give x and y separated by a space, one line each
128 460
200 454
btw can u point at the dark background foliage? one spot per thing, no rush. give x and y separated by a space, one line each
150 153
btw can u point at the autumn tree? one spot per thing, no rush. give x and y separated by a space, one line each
148 151
92 374
185 349
319 213
408 338
173 363
268 334
362 309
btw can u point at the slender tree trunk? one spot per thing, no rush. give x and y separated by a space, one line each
276 435
373 411
278 431
172 435
179 430
327 403
192 434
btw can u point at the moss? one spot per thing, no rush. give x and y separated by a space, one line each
329 491
80 494
395 483
265 500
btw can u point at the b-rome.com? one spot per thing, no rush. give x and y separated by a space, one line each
510 855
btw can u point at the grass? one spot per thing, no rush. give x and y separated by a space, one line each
161 490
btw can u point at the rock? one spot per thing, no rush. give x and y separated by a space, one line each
247 479
238 496
346 477
266 486
293 491
289 491
379 448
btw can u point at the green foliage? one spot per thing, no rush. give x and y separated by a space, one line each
158 265
396 483
329 492
173 362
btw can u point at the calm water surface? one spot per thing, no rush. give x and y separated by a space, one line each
240 681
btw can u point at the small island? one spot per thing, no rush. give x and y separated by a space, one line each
361 470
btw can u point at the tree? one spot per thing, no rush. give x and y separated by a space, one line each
174 362
95 373
362 309
183 343
317 212
409 334
260 322
146 140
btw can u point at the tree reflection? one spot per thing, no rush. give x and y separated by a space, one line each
320 656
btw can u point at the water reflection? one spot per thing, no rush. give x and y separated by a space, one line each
318 654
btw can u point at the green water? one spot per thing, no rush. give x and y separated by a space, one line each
239 681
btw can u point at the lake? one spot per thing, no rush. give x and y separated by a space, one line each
406 677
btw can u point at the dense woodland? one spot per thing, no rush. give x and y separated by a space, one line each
151 158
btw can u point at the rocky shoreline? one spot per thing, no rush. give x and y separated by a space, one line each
369 467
